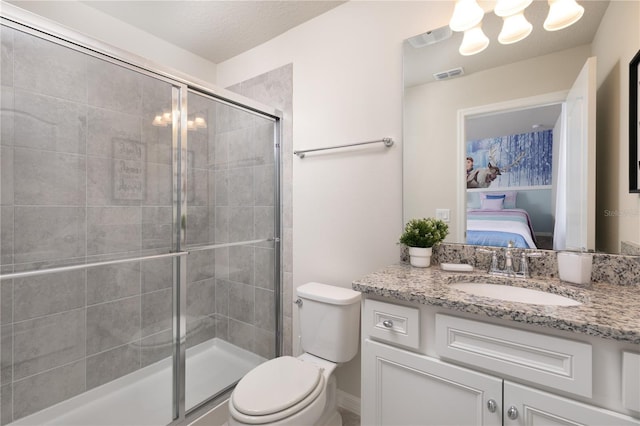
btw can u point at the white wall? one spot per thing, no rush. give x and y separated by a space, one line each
347 87
100 26
615 44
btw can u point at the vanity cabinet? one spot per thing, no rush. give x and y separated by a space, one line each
420 366
405 388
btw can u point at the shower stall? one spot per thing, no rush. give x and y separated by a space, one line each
140 235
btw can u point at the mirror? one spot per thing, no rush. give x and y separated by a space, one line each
439 113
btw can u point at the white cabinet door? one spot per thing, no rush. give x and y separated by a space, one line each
404 388
533 407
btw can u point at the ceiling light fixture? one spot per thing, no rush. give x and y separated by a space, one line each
467 17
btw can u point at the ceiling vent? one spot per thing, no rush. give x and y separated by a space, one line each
443 75
430 37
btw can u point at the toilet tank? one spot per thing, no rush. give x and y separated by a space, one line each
329 321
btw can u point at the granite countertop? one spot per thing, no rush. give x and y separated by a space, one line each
607 311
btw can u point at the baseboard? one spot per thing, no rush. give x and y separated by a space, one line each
348 402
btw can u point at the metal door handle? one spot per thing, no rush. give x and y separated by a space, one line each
512 413
387 323
492 406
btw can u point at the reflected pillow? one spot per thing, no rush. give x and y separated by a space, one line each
509 198
492 203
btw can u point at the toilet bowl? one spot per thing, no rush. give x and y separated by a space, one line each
286 391
302 391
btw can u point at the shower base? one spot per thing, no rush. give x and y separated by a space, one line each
144 397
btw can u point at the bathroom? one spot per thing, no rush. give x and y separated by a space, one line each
343 214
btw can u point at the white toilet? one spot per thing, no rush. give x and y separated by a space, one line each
302 391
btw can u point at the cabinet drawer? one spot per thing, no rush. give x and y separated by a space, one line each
391 323
547 360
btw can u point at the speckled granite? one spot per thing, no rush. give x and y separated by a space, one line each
608 311
628 247
607 268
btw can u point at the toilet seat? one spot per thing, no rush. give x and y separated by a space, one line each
276 389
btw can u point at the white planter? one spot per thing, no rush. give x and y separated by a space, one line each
420 257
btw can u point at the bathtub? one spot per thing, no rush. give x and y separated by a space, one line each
144 397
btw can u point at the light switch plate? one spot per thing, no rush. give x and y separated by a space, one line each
443 214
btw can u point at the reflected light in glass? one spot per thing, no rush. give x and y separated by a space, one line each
466 14
200 122
474 41
562 13
158 121
515 28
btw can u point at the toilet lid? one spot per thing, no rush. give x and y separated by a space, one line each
275 386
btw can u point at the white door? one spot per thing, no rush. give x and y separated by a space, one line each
524 406
580 149
405 388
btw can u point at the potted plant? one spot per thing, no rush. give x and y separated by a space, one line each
420 235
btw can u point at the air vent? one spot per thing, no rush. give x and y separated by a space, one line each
443 75
430 37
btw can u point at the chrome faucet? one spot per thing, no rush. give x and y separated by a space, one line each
509 270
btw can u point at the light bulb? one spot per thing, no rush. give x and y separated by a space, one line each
466 14
474 41
510 7
515 28
562 13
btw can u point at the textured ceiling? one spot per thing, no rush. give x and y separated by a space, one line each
215 30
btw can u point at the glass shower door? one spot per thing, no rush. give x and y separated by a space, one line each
230 230
86 178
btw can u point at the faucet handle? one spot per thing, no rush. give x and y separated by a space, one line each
524 266
494 258
510 244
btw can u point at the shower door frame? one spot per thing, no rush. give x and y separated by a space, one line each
19 19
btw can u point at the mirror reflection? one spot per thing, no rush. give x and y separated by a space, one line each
506 111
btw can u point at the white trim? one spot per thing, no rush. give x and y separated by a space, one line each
348 402
479 111
510 188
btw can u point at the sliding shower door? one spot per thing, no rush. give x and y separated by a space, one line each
230 231
86 178
139 238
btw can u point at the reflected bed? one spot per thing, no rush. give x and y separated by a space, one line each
498 227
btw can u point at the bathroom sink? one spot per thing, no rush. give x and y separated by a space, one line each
515 294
